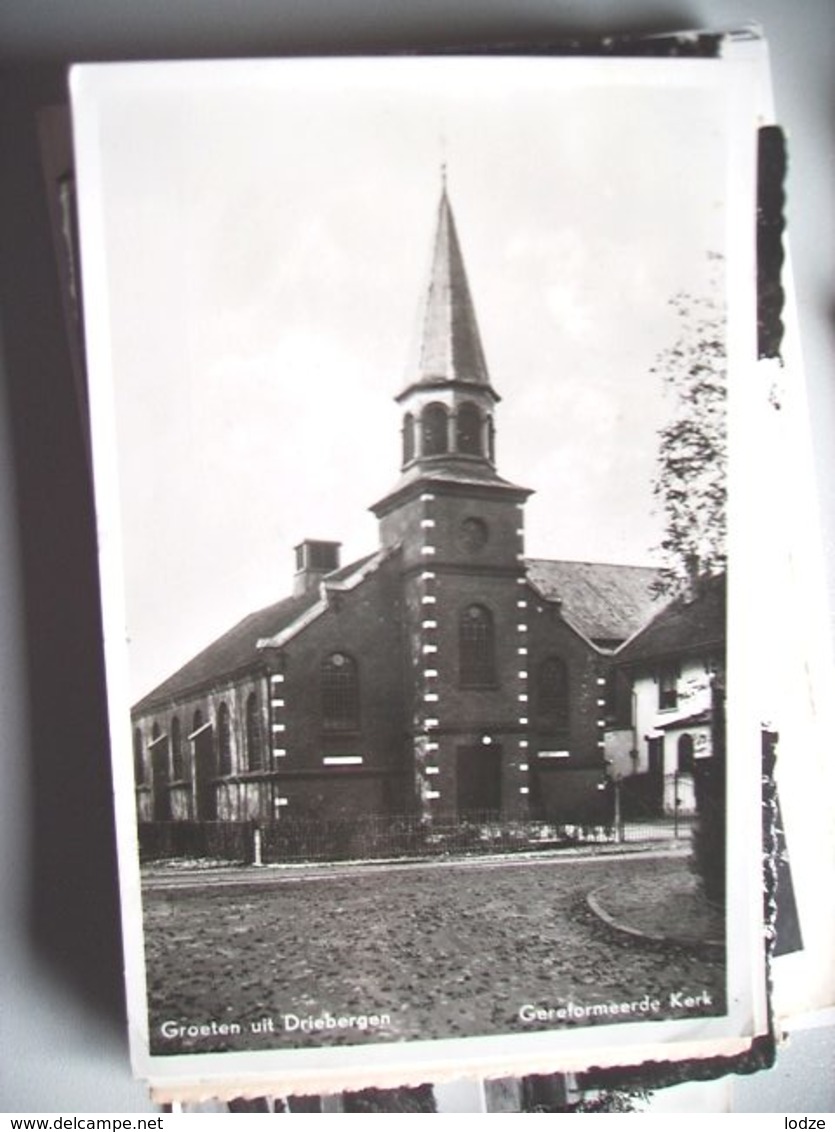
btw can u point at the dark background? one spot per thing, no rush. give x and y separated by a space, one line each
63 1031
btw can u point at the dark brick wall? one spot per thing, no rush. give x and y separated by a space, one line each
558 788
401 625
444 574
365 623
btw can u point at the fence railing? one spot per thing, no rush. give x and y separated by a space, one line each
300 840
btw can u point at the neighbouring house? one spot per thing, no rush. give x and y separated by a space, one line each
444 672
666 683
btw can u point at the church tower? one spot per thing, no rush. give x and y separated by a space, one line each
459 530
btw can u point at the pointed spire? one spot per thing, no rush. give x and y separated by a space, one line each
449 345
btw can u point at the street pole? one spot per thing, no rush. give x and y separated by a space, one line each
618 819
675 805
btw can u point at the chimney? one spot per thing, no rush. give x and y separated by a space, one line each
314 559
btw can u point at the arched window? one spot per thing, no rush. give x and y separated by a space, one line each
468 429
254 743
552 692
138 760
685 754
408 438
160 774
177 761
201 741
433 422
491 440
224 740
477 651
340 693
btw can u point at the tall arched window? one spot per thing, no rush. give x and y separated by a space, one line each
254 742
224 740
552 692
491 440
477 648
177 761
468 429
160 774
340 693
138 760
433 426
408 438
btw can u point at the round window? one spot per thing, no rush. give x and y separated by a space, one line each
473 533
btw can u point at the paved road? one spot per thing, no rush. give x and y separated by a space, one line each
434 950
158 878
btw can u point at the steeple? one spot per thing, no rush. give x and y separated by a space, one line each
448 403
448 400
448 348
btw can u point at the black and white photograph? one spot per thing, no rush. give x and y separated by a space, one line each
415 410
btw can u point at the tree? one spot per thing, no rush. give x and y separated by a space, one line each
690 483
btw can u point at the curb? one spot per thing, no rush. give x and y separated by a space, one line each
593 901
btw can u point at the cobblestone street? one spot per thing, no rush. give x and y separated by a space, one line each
410 953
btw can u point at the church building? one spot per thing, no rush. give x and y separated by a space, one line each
442 673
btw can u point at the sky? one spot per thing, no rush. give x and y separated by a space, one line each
268 230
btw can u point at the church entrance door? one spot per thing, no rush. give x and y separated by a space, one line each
479 770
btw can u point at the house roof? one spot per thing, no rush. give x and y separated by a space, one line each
603 601
686 625
448 347
694 719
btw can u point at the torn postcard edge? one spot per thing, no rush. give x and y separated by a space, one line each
410 1075
796 688
358 831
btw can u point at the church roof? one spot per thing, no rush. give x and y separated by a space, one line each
606 603
450 472
449 345
240 646
234 650
686 625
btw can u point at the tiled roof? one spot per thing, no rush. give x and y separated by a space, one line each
234 650
238 647
686 625
449 345
606 603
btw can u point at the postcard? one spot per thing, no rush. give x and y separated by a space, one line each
420 396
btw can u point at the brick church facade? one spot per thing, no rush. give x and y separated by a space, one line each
443 673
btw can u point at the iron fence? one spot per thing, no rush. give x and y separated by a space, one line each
388 837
